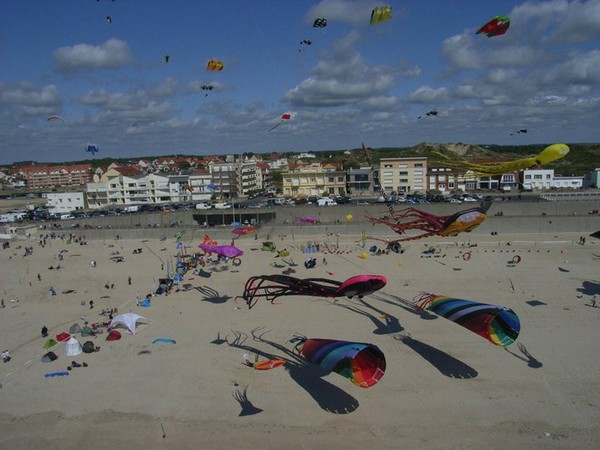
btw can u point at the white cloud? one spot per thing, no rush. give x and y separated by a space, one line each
113 54
425 94
26 94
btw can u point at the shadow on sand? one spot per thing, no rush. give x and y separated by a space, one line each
384 323
527 357
248 409
308 376
211 295
448 365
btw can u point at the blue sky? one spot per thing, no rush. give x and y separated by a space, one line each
356 82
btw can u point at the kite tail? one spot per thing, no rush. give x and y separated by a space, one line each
298 340
423 300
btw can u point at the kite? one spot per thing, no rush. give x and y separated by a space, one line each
53 118
320 22
497 324
521 131
274 286
549 154
306 220
430 114
109 19
284 117
208 241
93 149
460 222
381 14
214 65
166 58
306 42
242 231
595 234
207 88
495 27
362 363
228 251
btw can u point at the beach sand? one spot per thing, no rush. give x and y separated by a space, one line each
444 386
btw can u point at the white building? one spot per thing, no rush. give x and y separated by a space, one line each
65 202
542 179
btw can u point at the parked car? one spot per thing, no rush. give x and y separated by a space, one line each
343 200
326 201
362 203
224 205
203 206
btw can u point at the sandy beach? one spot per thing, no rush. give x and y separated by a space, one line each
444 386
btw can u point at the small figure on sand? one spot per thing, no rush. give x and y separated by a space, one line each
91 304
44 331
5 356
129 281
39 277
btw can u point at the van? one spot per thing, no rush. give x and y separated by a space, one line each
203 206
326 201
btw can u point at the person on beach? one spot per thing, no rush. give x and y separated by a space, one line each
44 331
39 277
91 304
129 281
5 356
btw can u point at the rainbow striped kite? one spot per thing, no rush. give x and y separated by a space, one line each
497 324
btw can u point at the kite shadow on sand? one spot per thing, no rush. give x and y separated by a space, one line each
589 288
448 365
406 305
385 323
527 357
308 376
212 295
248 409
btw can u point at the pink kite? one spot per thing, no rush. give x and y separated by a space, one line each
229 251
306 220
241 231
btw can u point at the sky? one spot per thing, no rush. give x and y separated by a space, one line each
356 82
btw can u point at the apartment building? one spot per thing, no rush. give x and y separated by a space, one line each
314 179
403 174
41 176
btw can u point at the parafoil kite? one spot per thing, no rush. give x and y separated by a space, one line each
284 118
381 14
274 286
215 65
363 364
55 118
497 324
415 219
93 149
495 27
320 22
548 155
430 114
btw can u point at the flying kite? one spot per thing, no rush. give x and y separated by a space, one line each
166 58
93 149
284 117
53 118
363 364
109 19
495 27
274 286
415 219
549 154
214 65
320 22
305 42
306 220
429 114
497 324
381 14
521 131
207 87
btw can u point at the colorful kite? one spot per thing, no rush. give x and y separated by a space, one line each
548 155
215 65
381 14
242 231
306 220
274 286
320 22
497 324
363 364
460 222
495 27
228 251
284 117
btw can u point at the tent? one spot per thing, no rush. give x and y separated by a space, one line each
50 343
87 331
114 335
73 347
49 357
88 347
75 328
129 320
62 337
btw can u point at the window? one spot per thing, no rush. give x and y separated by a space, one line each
403 166
548 176
387 166
388 174
528 177
330 179
418 164
537 177
403 172
340 179
403 180
418 172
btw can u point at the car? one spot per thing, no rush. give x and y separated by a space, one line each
257 205
468 199
343 200
326 201
361 203
224 205
203 206
455 200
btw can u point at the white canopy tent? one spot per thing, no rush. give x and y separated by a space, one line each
129 321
